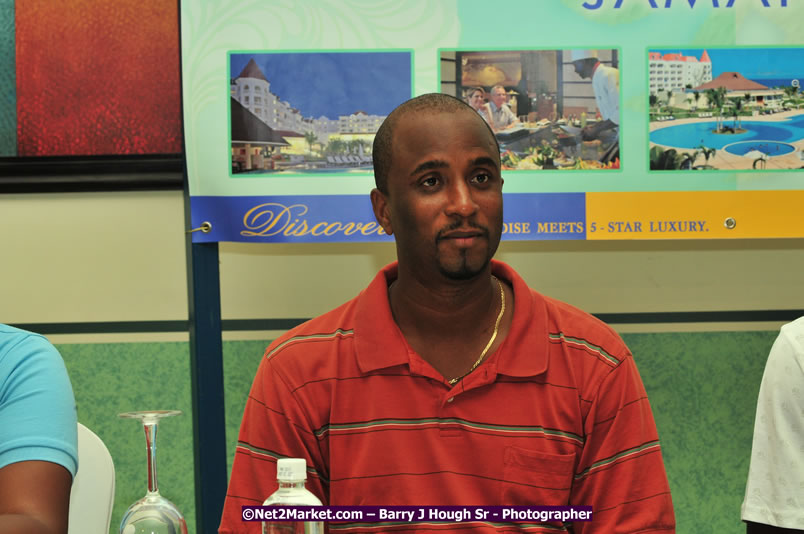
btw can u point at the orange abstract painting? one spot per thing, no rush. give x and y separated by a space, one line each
98 77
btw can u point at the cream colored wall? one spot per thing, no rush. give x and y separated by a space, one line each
78 257
295 280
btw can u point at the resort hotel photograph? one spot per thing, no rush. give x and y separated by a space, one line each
726 109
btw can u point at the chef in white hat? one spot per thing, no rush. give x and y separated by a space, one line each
606 84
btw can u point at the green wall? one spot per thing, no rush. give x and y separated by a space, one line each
703 390
702 386
112 378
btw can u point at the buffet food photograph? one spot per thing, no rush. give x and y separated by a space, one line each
549 109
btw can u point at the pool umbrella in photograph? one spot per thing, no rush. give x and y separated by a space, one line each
755 154
758 157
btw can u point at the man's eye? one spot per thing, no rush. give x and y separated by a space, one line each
481 178
432 181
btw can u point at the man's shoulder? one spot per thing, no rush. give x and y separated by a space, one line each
10 336
332 343
333 325
790 344
567 323
795 331
563 321
18 345
605 71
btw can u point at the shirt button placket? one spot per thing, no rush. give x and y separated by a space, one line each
447 412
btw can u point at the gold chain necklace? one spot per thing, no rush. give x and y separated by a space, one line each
455 380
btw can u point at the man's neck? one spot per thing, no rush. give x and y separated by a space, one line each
440 301
447 322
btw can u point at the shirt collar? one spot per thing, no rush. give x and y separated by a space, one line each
380 344
524 351
378 341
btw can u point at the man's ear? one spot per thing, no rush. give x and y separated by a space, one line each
382 210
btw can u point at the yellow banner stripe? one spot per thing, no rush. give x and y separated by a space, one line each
695 215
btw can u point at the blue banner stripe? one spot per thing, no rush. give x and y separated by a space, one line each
349 218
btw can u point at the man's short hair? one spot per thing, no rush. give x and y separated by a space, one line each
383 140
498 86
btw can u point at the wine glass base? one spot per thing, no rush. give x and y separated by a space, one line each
153 514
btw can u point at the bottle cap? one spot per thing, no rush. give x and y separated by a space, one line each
291 469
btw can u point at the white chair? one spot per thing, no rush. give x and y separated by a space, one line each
92 494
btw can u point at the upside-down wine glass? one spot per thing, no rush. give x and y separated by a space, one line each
153 514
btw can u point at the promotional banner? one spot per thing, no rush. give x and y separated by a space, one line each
616 119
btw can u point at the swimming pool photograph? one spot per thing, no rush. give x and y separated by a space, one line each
726 109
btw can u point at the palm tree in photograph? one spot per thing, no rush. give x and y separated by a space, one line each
669 98
336 146
711 96
721 98
353 146
716 98
707 153
738 108
688 160
311 139
664 159
790 92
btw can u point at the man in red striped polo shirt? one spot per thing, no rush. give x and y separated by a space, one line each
448 381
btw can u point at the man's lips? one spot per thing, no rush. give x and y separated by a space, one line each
462 237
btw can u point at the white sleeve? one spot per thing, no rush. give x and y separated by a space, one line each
774 493
611 101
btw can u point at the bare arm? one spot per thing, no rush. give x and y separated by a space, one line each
34 498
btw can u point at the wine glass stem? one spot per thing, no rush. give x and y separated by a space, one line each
150 445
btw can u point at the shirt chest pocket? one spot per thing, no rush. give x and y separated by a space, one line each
535 478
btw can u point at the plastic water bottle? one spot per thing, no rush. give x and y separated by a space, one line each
291 473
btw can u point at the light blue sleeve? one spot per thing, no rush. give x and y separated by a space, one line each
37 407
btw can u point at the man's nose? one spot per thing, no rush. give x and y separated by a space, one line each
461 199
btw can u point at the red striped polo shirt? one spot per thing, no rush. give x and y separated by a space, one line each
557 415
